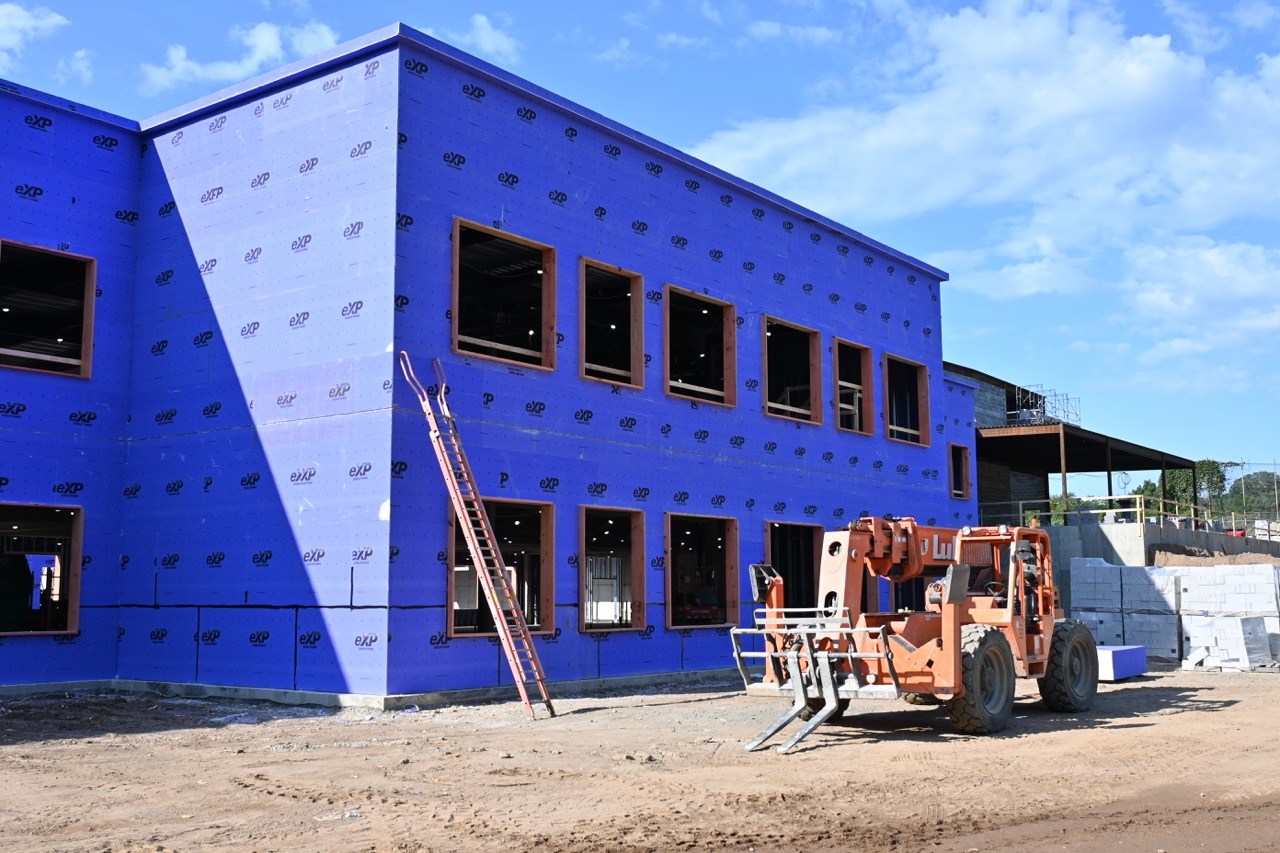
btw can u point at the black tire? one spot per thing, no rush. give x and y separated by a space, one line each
813 706
988 675
1071 679
921 699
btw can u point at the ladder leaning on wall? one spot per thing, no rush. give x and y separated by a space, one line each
491 569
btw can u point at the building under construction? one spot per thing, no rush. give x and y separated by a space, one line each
213 473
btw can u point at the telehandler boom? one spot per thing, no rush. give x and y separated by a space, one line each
990 614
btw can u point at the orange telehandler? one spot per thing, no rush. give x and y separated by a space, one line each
989 614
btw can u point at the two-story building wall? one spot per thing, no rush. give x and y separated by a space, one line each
662 375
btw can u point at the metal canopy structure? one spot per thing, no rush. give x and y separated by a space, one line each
1064 449
1030 431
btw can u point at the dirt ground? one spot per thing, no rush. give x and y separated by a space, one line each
1173 762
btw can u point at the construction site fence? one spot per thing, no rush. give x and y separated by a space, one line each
1130 509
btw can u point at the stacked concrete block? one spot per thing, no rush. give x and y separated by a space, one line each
1095 599
1228 642
1095 585
1107 628
1231 589
1157 631
1127 604
1237 593
1149 596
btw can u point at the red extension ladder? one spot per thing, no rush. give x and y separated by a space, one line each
495 577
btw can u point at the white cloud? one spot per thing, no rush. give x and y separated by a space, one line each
1094 138
264 47
311 38
1194 25
489 41
19 26
79 66
1196 282
709 11
678 41
1008 107
1254 14
619 53
813 36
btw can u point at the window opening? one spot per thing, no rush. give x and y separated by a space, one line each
700 347
703 575
959 472
853 386
793 552
791 371
503 297
611 335
40 550
46 309
523 534
612 588
907 403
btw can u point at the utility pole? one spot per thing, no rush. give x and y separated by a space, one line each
1244 499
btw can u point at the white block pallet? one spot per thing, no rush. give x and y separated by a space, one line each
1159 607
1229 642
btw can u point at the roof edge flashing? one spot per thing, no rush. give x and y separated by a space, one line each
63 105
400 34
219 101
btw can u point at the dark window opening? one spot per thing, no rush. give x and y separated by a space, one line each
612 575
793 552
524 537
39 568
700 348
46 310
504 297
959 472
853 387
791 368
610 334
703 575
904 388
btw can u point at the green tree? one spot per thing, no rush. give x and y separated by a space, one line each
1254 493
1074 505
1210 483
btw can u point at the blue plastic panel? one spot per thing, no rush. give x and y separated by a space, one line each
342 650
158 644
246 647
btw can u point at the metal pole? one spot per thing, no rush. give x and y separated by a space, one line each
1275 487
1062 458
1244 499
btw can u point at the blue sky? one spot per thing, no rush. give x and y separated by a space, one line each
1099 177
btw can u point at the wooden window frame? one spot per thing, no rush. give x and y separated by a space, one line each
779 410
866 383
636 380
546 590
69 586
638 619
547 354
729 342
922 402
732 567
966 490
85 361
